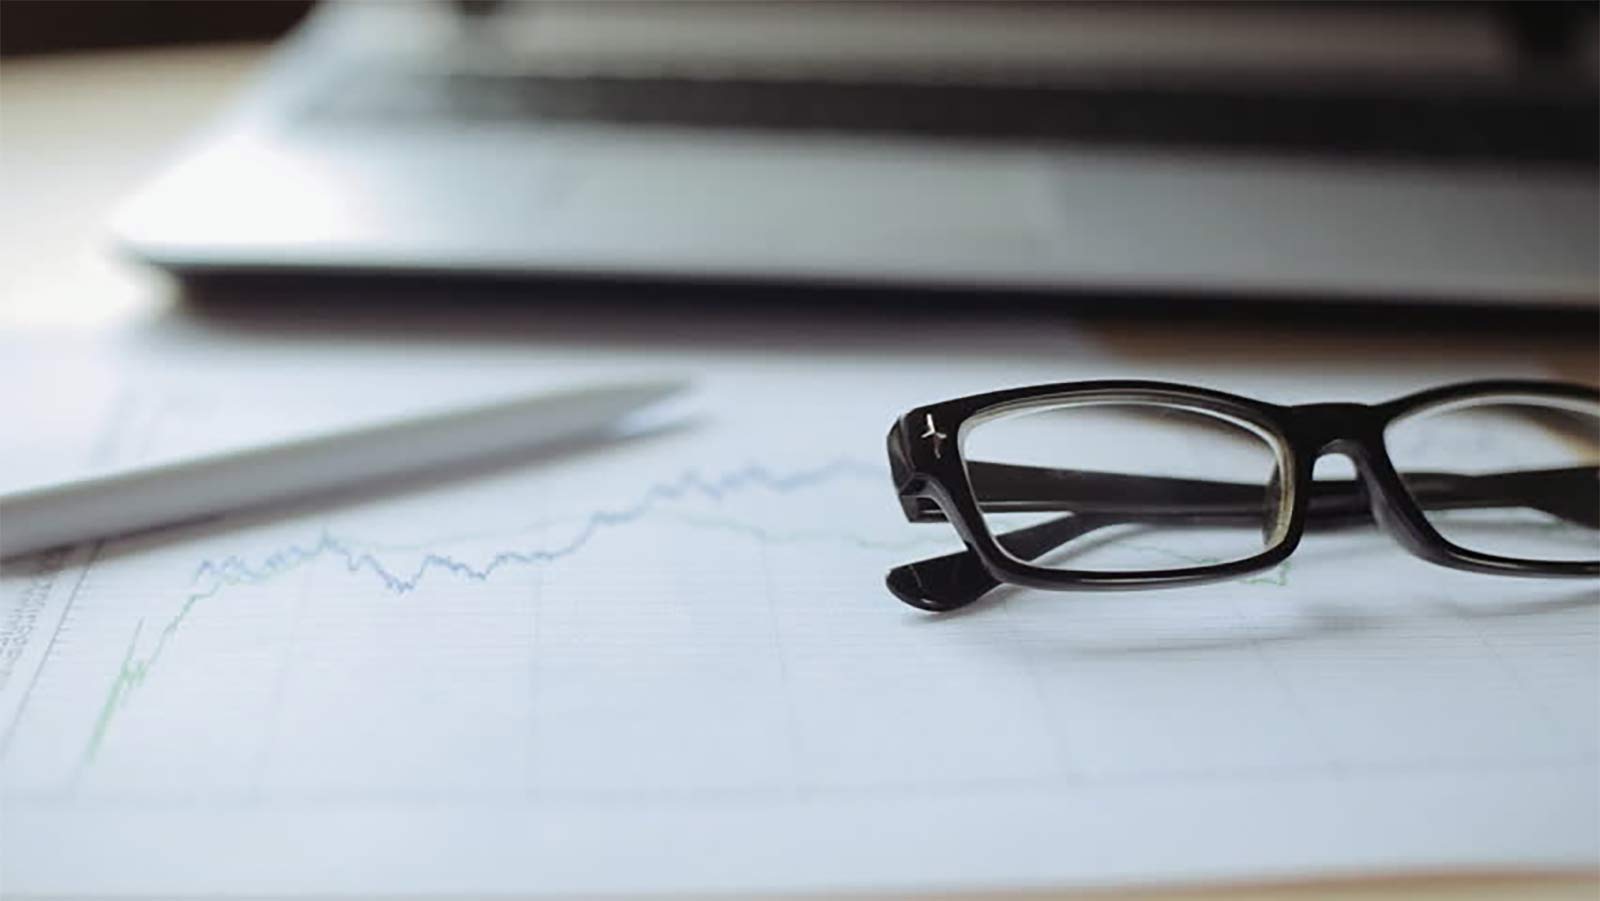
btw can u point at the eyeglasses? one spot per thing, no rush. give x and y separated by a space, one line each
1132 484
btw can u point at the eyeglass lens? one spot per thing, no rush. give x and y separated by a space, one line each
1126 485
1506 475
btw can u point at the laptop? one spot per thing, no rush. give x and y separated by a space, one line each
1370 152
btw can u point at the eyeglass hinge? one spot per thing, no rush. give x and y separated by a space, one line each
935 437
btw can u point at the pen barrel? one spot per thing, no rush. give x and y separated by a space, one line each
186 490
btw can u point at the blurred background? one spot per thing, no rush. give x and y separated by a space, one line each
43 26
1206 154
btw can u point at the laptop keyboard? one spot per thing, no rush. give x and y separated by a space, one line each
1461 125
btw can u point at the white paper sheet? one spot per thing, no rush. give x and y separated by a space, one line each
670 664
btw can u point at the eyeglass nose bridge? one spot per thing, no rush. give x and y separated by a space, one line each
1355 431
1337 428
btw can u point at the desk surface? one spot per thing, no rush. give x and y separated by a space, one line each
81 131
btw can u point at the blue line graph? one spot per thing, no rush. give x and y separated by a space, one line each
213 576
234 569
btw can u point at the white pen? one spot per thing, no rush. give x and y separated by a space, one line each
115 503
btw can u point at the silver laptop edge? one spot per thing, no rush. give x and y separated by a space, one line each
273 189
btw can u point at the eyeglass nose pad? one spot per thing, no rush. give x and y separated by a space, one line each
1275 521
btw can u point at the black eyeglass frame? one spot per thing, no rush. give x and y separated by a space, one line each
931 479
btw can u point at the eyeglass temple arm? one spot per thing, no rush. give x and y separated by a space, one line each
1100 499
1568 493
